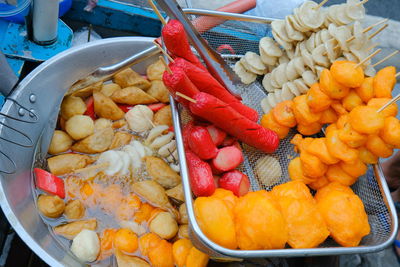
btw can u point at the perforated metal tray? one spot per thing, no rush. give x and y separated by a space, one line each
371 188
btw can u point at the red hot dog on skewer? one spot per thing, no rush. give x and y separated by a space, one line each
200 175
225 117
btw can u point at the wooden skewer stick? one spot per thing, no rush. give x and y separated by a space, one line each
165 65
186 97
374 25
153 6
378 31
393 100
397 74
368 58
164 52
93 167
362 2
321 4
372 46
385 58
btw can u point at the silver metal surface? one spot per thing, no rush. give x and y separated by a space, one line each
49 82
227 15
371 188
214 62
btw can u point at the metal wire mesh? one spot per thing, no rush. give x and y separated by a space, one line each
243 37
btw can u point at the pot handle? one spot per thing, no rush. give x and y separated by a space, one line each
8 79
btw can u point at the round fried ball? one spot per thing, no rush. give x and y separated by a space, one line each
60 142
79 126
50 206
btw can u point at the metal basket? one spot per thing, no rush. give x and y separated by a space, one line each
237 37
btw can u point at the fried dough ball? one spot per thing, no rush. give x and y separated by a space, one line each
378 147
50 206
302 111
351 137
319 149
351 101
102 123
390 132
328 116
306 226
377 103
332 127
147 242
216 221
312 166
339 149
259 223
296 172
283 114
342 121
301 143
60 142
268 121
72 105
227 196
319 183
384 82
366 120
79 126
338 108
161 255
310 129
344 214
317 100
336 174
366 90
126 240
164 225
330 87
367 156
355 168
74 209
196 258
347 73
180 251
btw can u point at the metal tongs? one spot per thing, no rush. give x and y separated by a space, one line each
214 62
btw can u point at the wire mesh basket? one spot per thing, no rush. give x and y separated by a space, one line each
232 39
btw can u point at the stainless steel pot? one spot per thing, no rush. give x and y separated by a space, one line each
41 92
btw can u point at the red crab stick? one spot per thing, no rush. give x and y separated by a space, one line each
200 174
175 39
205 82
177 81
225 117
49 183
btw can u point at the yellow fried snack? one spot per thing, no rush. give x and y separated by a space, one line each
216 221
302 111
377 103
351 101
268 121
378 147
366 90
336 174
356 168
347 73
259 223
312 166
310 129
390 132
351 137
328 116
366 120
331 87
227 196
384 82
342 121
338 149
296 171
344 214
319 183
367 156
319 149
283 113
317 100
306 226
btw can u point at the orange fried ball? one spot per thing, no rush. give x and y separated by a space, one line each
180 251
161 255
355 168
283 114
216 221
351 101
126 240
344 214
338 149
268 121
296 171
300 143
306 227
390 132
378 147
302 111
319 183
312 166
336 174
366 120
331 87
347 73
328 116
367 156
319 149
259 223
377 103
227 196
366 90
310 129
317 100
384 82
342 121
338 108
351 137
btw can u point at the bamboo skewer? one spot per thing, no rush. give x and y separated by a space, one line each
165 65
153 6
368 58
163 51
362 2
321 4
378 31
393 100
372 46
374 25
385 58
186 97
397 74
